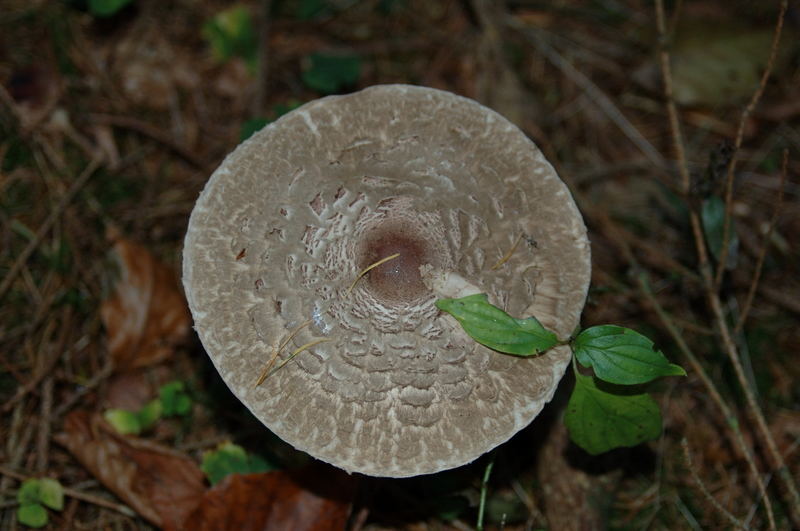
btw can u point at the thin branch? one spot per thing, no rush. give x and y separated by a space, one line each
710 497
726 228
51 219
711 287
677 139
146 129
762 253
730 418
596 95
262 72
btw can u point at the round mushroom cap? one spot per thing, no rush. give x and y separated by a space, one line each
289 219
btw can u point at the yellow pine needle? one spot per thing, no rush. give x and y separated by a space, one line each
296 352
277 351
507 256
369 268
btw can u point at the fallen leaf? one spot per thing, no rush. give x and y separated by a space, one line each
162 485
316 498
147 317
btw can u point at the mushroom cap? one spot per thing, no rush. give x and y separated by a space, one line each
289 219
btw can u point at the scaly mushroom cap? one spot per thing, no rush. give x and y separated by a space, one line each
291 217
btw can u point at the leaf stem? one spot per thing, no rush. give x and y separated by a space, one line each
484 490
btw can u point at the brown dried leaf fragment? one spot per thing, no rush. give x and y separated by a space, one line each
313 499
162 485
147 317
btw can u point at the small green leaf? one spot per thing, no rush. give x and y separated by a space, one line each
252 126
124 421
174 399
331 73
599 420
713 217
106 8
621 355
51 493
32 515
231 34
149 414
230 458
494 328
29 491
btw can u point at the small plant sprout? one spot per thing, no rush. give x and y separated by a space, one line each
173 401
33 496
606 411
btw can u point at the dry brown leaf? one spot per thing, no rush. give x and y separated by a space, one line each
312 499
161 485
147 317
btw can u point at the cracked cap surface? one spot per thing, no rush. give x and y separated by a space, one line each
290 218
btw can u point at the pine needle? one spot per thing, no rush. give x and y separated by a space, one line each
277 351
369 268
507 256
296 352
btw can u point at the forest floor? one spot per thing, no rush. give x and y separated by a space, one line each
114 113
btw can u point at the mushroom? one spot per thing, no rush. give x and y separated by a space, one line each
388 385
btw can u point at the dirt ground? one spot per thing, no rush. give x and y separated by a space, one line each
114 114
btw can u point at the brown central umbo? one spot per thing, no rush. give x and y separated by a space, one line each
399 278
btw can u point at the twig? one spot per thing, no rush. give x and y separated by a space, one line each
711 287
82 179
46 368
710 497
762 253
146 129
730 418
98 378
78 495
262 74
484 490
726 227
45 419
596 95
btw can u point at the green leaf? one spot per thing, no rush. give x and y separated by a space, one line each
494 328
713 217
231 34
124 421
308 9
149 414
29 491
174 399
230 458
32 515
331 73
252 126
51 493
599 420
621 355
106 8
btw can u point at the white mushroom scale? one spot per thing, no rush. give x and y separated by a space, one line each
289 219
